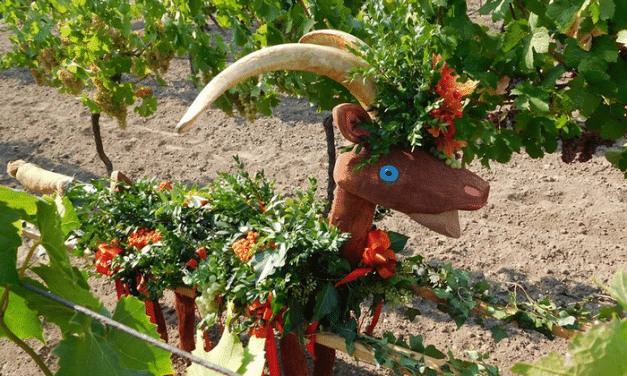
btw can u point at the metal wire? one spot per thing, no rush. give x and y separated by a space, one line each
129 330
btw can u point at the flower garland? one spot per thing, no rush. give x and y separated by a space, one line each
239 244
420 98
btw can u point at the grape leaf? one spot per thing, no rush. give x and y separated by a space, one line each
618 288
326 302
563 12
52 237
10 240
230 354
90 355
498 8
20 319
54 313
64 285
498 333
69 218
398 241
601 351
618 158
135 353
551 365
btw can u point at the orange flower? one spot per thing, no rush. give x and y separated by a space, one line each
452 92
104 256
142 237
449 146
243 248
378 253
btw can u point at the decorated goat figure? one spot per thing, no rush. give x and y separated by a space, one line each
413 182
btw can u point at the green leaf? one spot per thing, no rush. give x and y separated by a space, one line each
412 313
563 12
532 98
551 365
327 301
90 355
54 313
618 288
133 352
52 237
618 158
20 319
147 107
514 33
67 286
230 354
10 240
69 218
606 9
498 333
498 8
609 120
601 351
398 241
22 202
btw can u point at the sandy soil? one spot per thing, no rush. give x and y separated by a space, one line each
548 226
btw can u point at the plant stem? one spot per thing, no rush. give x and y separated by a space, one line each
14 338
27 260
302 4
95 126
328 130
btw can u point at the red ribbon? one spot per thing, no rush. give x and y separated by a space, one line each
375 318
359 272
310 333
271 354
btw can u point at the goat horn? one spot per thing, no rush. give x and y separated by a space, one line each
332 38
328 61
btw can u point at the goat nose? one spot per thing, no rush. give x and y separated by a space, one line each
472 191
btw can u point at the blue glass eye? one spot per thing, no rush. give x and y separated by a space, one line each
388 173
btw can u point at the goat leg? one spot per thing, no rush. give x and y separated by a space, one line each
293 360
186 314
324 360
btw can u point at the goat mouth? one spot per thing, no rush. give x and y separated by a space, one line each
446 223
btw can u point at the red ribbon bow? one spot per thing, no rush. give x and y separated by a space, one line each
377 255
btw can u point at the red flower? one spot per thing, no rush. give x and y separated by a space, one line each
378 253
164 185
104 256
452 93
202 253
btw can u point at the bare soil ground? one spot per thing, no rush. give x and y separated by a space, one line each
548 227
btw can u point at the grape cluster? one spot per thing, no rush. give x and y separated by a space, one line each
305 289
107 102
72 84
582 147
48 60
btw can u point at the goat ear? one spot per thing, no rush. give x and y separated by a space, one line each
349 117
